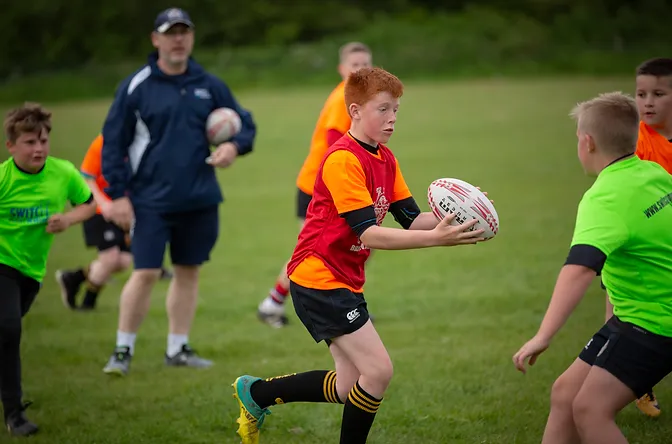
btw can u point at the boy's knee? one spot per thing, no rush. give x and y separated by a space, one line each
562 394
582 412
380 373
109 259
125 261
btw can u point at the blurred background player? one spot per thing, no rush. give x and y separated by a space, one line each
332 124
155 160
112 242
34 191
654 143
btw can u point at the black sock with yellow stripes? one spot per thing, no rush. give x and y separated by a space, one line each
314 386
358 415
91 296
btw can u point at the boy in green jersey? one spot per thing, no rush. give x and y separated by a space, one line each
623 231
34 190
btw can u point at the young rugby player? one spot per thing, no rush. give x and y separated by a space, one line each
334 121
358 182
622 232
34 190
654 103
112 242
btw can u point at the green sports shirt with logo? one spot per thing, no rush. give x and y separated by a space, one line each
26 203
627 214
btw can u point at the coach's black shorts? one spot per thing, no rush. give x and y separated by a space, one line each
104 235
328 314
638 358
302 202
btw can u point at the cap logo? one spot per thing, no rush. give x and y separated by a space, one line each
174 13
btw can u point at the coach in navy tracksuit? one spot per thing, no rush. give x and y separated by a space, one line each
162 188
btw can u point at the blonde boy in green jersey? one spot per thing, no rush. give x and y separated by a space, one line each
623 231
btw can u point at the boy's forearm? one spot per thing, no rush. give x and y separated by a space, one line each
383 238
424 221
572 283
81 213
98 195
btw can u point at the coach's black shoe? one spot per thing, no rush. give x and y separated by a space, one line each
70 283
17 423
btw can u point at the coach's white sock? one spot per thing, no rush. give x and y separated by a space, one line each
175 343
126 340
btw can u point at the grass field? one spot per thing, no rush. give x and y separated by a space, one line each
451 318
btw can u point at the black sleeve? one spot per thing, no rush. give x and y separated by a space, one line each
88 201
360 220
588 256
405 211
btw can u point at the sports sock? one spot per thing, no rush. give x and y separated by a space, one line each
175 343
279 293
358 415
313 386
91 296
126 340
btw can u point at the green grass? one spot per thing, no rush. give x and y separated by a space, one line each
451 318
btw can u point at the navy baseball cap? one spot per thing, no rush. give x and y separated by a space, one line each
166 19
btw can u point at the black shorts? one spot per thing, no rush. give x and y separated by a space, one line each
638 358
328 314
104 235
302 202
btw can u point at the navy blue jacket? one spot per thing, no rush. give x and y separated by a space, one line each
155 142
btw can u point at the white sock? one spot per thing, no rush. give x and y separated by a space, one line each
175 343
126 340
269 306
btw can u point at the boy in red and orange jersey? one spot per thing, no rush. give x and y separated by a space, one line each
358 181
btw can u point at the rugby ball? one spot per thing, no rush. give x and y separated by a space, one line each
222 125
466 202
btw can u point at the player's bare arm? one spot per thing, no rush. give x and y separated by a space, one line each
570 288
60 222
424 221
443 234
99 197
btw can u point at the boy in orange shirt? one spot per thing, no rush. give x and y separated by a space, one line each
654 143
112 242
333 122
654 100
357 183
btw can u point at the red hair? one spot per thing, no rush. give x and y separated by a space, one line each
362 85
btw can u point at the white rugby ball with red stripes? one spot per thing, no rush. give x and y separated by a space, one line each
466 202
222 125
